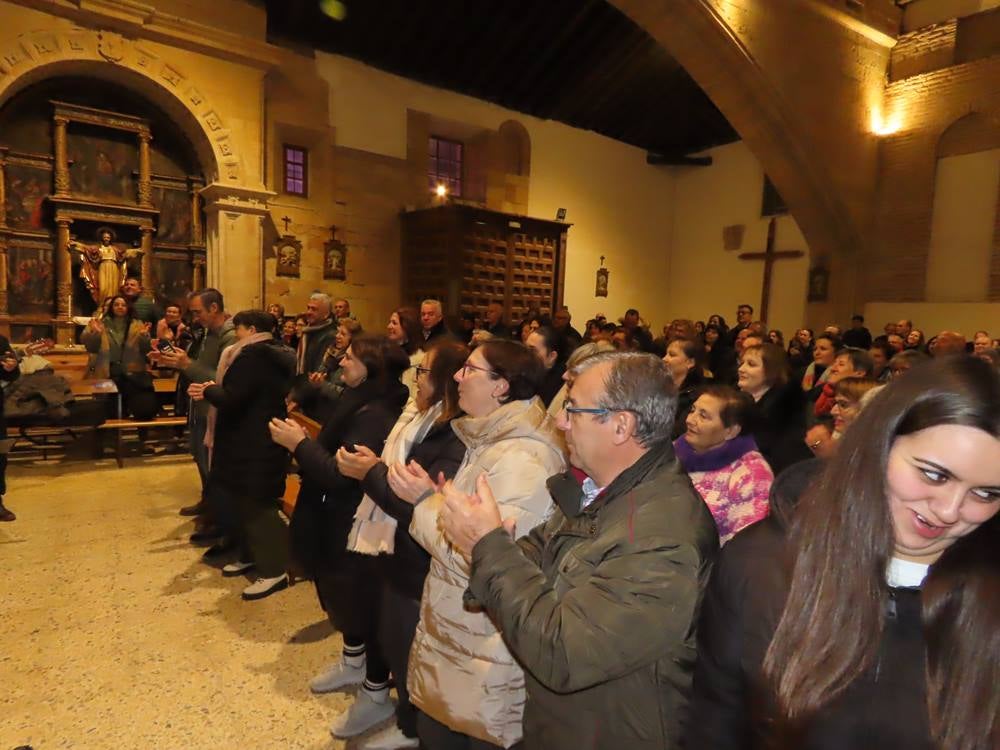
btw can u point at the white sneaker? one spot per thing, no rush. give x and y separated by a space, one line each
265 587
390 738
362 715
338 677
236 569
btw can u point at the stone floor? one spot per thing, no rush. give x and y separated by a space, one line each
114 635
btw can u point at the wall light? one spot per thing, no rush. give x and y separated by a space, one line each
441 190
886 124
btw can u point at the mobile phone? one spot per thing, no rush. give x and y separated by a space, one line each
164 346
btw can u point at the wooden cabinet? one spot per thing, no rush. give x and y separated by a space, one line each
468 257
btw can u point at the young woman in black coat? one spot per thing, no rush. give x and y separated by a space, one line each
422 434
778 420
247 475
347 582
868 617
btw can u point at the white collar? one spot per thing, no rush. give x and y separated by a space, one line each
905 574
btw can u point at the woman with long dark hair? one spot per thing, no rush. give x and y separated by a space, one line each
869 616
404 329
118 342
685 359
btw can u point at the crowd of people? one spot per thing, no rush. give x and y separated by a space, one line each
711 538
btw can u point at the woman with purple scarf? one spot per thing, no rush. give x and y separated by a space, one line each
726 468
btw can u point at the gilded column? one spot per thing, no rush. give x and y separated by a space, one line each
146 267
198 277
4 312
3 188
197 230
64 283
62 160
145 185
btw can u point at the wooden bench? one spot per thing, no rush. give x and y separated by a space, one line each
124 426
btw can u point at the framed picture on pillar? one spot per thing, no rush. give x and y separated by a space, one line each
288 252
819 284
30 281
334 259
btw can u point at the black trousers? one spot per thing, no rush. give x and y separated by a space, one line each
349 590
436 736
252 521
397 627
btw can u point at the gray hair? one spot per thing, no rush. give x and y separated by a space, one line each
433 303
639 383
585 351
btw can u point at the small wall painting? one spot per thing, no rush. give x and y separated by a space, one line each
288 251
602 280
819 284
334 258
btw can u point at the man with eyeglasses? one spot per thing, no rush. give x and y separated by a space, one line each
600 602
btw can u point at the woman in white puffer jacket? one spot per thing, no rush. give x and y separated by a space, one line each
461 675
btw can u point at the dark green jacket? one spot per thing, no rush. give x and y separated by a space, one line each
206 362
599 606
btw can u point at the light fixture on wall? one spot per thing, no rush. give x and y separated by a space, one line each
441 191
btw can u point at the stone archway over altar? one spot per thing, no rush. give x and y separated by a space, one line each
233 200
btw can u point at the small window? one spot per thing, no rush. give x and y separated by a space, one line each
445 165
296 170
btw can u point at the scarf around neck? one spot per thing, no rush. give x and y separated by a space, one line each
716 458
374 530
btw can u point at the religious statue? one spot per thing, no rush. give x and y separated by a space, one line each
103 268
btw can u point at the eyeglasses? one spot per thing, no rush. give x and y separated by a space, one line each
422 370
466 367
597 411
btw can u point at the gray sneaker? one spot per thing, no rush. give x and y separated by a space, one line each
390 738
337 677
236 569
362 715
265 587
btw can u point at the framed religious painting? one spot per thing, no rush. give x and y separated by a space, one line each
173 274
30 280
288 251
334 259
819 284
174 224
27 186
104 163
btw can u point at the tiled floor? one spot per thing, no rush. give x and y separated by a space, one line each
114 635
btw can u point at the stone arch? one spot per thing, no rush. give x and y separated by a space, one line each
32 57
711 39
515 145
968 134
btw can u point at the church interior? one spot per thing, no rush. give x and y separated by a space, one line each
815 160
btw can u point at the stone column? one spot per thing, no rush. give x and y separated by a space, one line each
62 160
146 264
63 269
235 242
145 174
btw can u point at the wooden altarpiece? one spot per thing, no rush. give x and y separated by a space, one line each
99 174
469 257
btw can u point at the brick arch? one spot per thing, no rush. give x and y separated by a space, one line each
712 40
33 57
968 134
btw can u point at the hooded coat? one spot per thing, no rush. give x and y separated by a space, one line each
461 672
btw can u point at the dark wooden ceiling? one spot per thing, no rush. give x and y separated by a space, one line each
580 62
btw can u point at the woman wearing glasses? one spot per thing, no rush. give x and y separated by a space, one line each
371 403
382 523
468 687
866 616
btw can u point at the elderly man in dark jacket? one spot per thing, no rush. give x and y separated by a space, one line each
318 335
599 604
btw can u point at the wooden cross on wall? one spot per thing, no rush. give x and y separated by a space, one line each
769 256
286 221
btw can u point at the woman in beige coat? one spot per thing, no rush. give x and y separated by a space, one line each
468 687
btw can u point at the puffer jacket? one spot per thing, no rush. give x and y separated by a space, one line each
461 673
600 603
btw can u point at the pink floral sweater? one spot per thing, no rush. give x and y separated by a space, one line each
734 480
